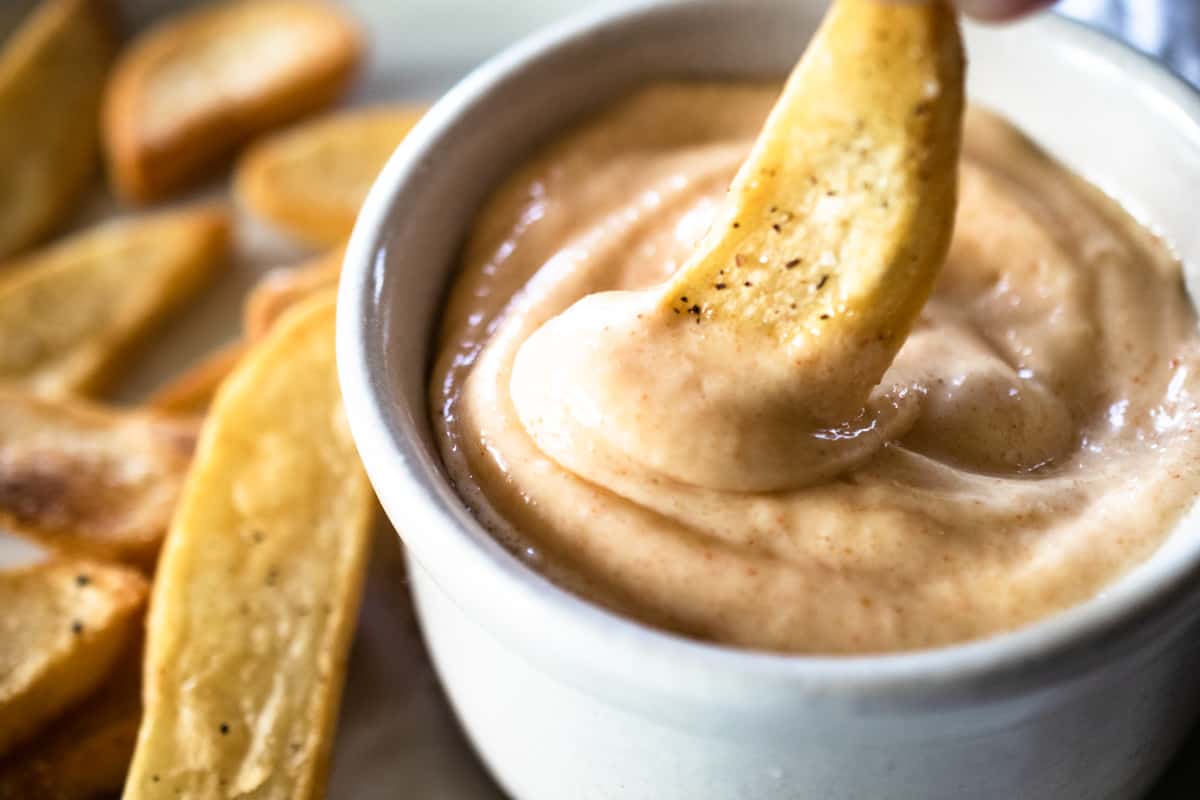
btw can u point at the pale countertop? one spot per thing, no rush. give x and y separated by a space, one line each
397 737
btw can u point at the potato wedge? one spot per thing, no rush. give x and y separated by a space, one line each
65 624
848 197
71 311
51 79
83 754
189 91
282 288
80 478
257 590
192 391
310 180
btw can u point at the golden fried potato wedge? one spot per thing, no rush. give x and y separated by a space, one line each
80 478
83 754
52 73
71 311
309 181
189 91
64 626
192 391
848 197
282 288
259 582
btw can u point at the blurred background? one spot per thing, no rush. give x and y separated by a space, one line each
442 39
1167 29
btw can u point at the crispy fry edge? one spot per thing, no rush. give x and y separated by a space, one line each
142 171
317 312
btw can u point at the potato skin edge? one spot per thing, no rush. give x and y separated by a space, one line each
142 172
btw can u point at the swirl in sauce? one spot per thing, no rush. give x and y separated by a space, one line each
1037 436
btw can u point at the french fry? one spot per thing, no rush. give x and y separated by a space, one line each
310 180
192 391
187 92
258 586
71 311
83 479
65 624
280 289
848 196
83 754
52 73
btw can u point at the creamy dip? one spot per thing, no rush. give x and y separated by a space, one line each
1042 439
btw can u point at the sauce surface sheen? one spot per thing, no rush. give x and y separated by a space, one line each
1043 439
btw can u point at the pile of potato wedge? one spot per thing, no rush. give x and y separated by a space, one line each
187 631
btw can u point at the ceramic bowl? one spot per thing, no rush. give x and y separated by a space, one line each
565 700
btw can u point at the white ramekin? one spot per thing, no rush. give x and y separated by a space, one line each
564 700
